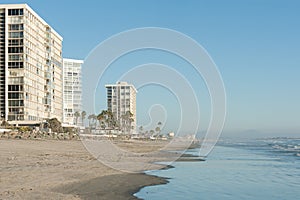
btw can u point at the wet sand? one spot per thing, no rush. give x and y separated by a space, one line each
116 186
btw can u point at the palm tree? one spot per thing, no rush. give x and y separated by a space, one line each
158 129
127 120
152 132
90 117
107 119
102 125
114 123
83 115
110 119
101 118
141 129
92 120
76 115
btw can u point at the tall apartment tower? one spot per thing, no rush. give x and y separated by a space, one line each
30 67
121 97
72 90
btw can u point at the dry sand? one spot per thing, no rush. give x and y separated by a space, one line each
50 169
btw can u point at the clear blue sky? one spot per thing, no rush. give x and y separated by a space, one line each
255 44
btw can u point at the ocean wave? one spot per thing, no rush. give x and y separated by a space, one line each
278 147
287 147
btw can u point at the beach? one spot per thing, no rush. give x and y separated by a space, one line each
53 169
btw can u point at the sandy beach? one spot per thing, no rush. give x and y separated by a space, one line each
51 169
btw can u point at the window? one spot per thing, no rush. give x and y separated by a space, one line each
15 34
15 57
12 65
15 12
15 49
15 88
15 117
15 95
16 103
15 27
15 80
16 110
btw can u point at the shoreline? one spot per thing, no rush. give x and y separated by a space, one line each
185 157
118 186
91 189
58 169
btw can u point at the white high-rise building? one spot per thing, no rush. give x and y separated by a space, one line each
72 91
30 67
121 97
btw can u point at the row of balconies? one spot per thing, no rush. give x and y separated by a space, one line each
15 20
15 117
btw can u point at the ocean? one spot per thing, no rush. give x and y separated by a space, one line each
252 169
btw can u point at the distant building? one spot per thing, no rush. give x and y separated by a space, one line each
121 97
30 67
72 91
171 134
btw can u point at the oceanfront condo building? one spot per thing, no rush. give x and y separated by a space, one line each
30 67
72 91
121 98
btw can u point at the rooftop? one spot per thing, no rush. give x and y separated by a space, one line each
25 6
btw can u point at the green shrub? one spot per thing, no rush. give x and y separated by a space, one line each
24 128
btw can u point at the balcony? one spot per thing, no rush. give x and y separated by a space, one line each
47 101
15 20
47 75
48 62
47 88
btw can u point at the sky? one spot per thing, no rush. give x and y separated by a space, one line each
255 45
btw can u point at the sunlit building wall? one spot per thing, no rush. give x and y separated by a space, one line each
30 67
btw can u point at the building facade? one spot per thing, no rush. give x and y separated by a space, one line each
30 67
72 91
121 97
